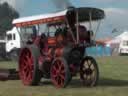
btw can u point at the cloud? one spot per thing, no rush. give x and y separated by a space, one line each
115 10
116 18
61 4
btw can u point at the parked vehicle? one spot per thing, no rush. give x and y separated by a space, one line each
13 43
123 46
55 45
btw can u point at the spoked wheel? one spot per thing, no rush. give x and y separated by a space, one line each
89 72
28 65
60 73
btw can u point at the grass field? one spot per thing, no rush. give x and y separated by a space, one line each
113 82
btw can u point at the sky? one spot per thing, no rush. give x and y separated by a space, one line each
116 11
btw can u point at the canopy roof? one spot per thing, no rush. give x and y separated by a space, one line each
83 13
86 12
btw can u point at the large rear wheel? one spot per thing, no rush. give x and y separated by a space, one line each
60 73
28 65
89 72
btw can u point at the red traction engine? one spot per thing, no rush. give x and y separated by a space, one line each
63 55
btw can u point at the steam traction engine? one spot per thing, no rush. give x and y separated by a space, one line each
61 56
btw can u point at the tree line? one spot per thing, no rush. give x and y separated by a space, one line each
7 14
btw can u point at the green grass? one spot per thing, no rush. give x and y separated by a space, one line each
8 64
113 82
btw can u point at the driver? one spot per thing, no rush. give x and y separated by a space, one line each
84 34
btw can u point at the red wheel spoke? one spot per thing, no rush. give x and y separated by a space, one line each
27 53
54 68
59 80
54 75
62 71
62 67
29 76
62 76
57 64
56 78
31 67
62 82
23 60
59 69
27 72
29 60
25 68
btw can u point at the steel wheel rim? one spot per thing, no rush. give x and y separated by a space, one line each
58 74
88 72
26 66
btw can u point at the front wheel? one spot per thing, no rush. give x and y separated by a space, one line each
28 65
89 72
60 73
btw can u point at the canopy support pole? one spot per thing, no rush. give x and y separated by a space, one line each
77 25
98 26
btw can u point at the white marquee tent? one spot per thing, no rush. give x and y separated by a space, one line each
117 39
115 42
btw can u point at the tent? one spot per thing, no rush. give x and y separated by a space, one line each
115 42
117 39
